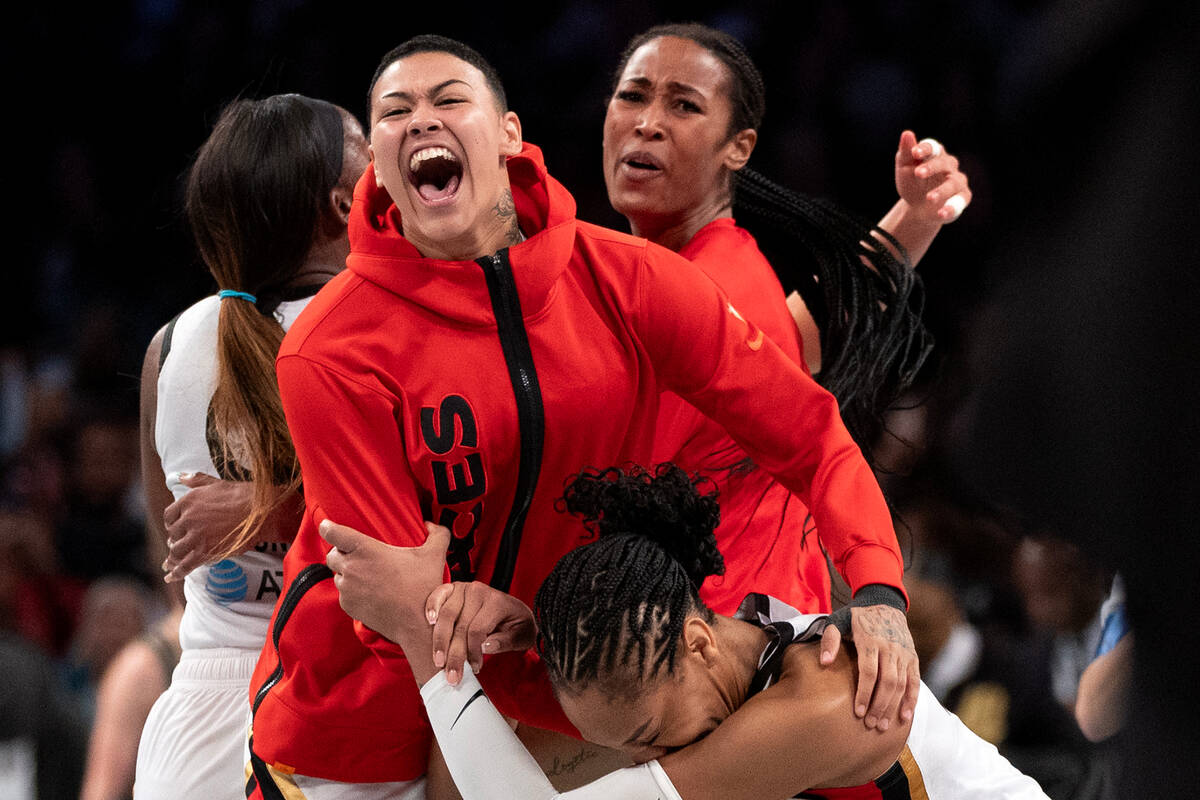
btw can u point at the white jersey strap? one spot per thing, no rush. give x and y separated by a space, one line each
488 761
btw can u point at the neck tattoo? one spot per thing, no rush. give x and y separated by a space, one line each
506 211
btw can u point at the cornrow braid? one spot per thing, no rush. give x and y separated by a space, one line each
867 303
611 612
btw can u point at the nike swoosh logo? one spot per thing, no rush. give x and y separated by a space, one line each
757 342
478 694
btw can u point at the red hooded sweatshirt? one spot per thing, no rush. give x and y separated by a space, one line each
468 392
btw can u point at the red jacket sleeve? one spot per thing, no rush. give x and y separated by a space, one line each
353 463
353 459
703 350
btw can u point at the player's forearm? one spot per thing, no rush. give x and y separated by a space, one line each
913 234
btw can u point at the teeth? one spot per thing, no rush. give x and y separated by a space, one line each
428 153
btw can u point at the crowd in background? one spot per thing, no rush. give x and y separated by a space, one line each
1005 606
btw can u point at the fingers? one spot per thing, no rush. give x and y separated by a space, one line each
831 643
908 705
502 641
460 649
194 479
936 166
173 512
868 669
177 567
339 536
447 620
335 559
438 538
888 691
953 207
930 148
906 153
183 555
433 603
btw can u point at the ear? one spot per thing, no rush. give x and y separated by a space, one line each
700 641
378 180
340 198
738 149
510 139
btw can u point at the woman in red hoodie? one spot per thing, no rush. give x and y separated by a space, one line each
482 346
681 125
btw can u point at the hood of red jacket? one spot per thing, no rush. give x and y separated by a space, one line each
545 209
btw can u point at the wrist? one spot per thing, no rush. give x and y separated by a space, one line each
879 594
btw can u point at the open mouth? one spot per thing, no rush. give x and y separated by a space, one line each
435 172
642 162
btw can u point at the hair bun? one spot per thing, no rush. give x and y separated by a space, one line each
664 506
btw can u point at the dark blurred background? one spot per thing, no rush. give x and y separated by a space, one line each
1051 441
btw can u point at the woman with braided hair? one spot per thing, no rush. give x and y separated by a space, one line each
706 705
681 124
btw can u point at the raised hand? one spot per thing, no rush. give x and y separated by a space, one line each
928 178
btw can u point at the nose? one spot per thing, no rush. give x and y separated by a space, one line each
650 123
424 122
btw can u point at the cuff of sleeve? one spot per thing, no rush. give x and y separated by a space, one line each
879 594
438 683
664 783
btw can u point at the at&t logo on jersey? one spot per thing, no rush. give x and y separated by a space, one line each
226 582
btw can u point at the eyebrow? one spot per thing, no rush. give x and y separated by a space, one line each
407 97
674 86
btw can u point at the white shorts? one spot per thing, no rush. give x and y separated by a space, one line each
192 744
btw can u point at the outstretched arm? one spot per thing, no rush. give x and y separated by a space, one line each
933 192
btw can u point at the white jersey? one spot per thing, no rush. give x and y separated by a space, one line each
229 603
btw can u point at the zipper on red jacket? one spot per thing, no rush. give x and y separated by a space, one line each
531 418
308 577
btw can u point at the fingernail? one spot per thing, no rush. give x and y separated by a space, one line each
452 677
921 172
872 722
439 658
883 724
431 615
325 525
486 645
860 710
906 715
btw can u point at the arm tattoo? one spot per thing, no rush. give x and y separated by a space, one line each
571 764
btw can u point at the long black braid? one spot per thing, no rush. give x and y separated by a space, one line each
611 612
873 342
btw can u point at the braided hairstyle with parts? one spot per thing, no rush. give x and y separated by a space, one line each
611 612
